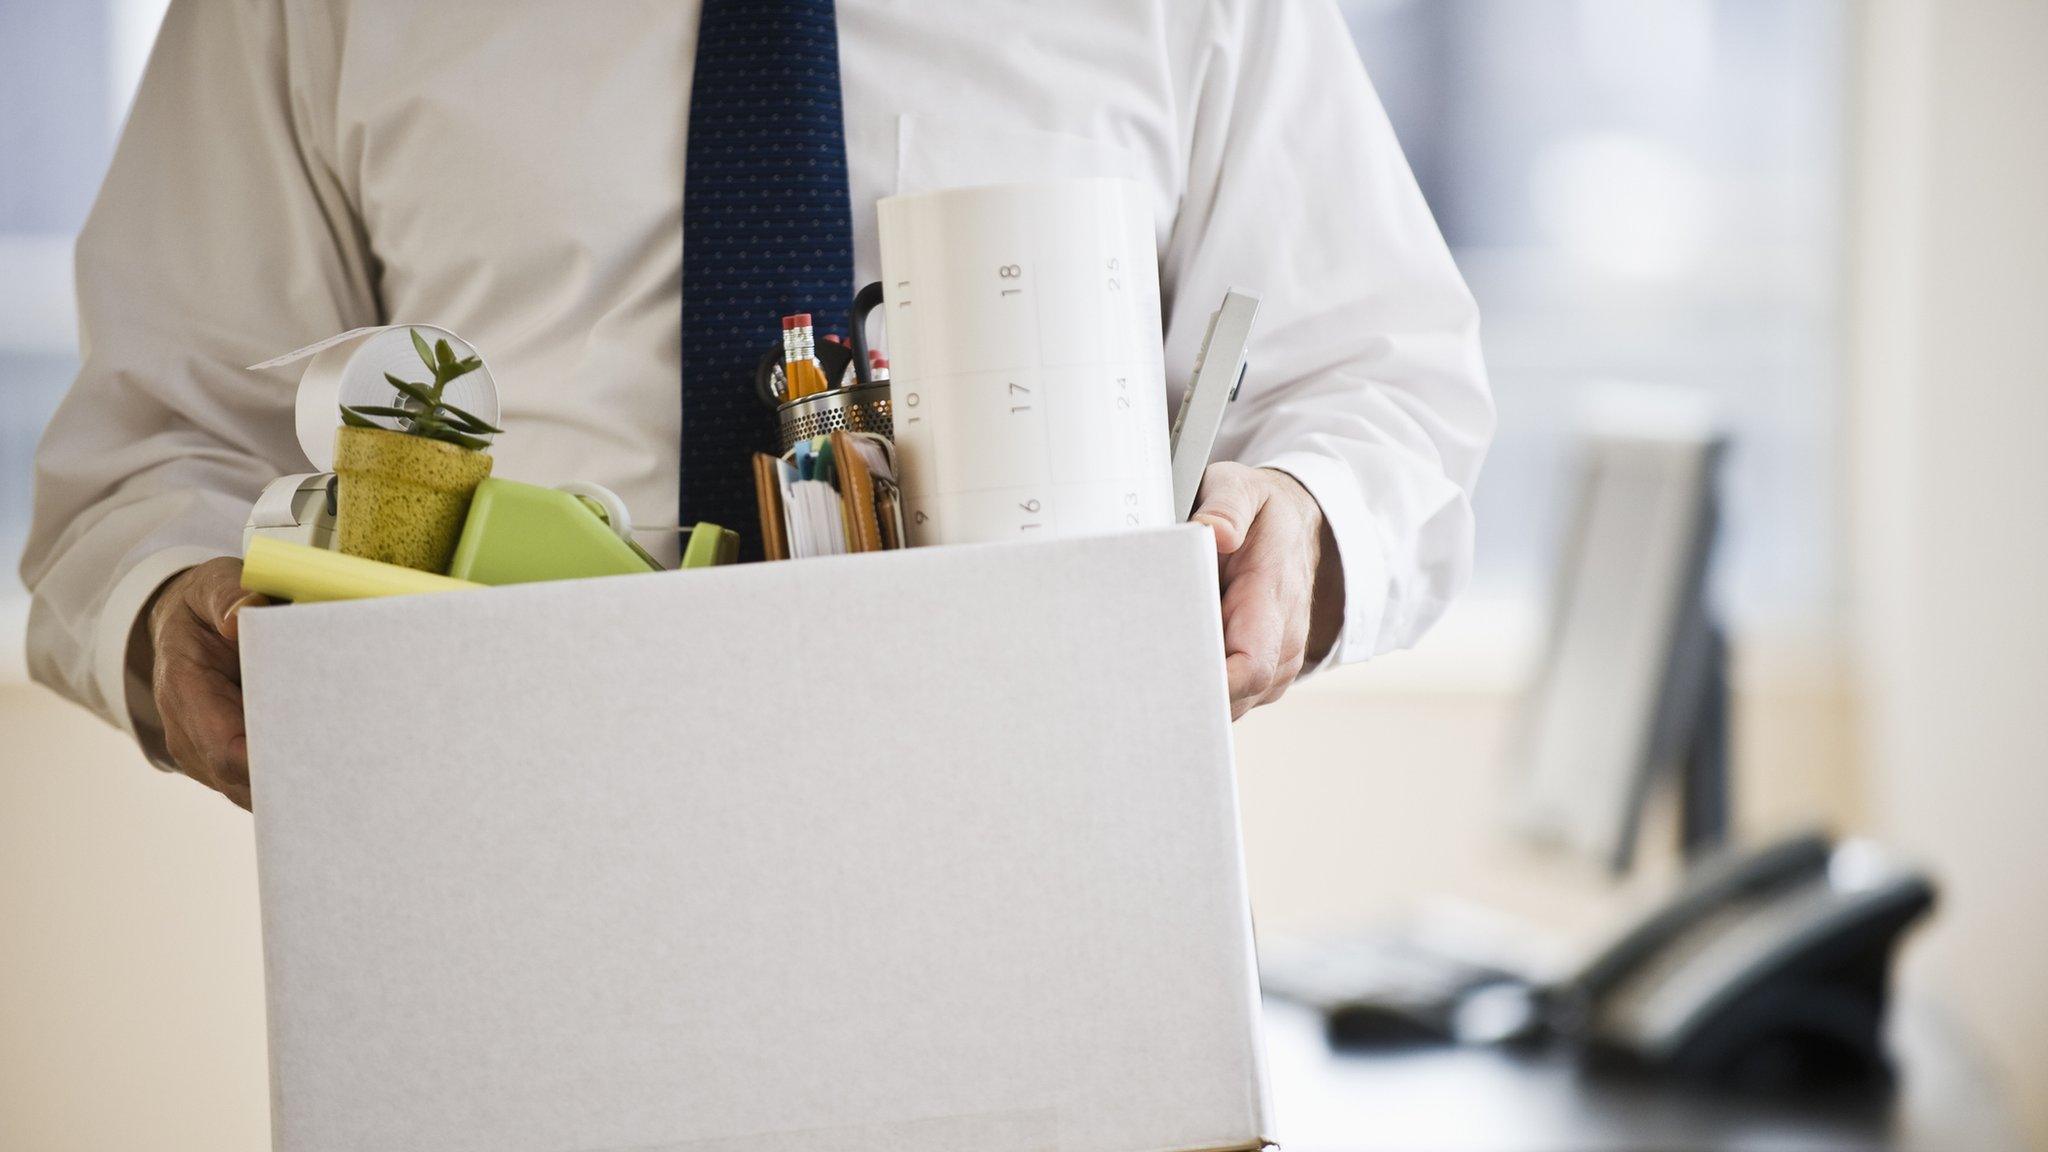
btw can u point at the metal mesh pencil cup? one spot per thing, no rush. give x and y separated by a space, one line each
863 408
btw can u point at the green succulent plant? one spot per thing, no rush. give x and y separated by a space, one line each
420 410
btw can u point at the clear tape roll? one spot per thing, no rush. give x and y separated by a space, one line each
615 514
349 369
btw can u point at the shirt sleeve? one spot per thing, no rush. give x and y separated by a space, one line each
219 238
1365 379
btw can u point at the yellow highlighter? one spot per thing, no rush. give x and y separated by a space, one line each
286 571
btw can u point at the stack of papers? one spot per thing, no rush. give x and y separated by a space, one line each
810 514
828 496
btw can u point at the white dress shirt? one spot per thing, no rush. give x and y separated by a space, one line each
513 170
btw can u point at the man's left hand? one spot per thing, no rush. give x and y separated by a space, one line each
1282 585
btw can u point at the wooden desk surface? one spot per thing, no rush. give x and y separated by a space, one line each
1478 1100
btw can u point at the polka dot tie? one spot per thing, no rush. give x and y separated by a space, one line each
767 231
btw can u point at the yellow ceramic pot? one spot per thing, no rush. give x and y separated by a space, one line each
402 499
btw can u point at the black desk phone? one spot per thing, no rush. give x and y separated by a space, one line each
1767 970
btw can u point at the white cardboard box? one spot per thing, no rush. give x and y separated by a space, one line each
930 850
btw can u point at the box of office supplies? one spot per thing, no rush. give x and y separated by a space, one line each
912 851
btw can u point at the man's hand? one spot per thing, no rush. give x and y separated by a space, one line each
1282 588
195 671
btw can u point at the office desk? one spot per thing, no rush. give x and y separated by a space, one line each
1478 1100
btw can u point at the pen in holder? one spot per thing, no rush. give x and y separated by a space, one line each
862 406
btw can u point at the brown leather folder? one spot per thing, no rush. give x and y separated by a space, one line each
768 497
856 495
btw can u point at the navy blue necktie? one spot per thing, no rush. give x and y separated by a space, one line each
767 231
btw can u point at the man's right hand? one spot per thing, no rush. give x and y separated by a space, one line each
195 672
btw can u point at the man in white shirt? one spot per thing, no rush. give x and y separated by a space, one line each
515 172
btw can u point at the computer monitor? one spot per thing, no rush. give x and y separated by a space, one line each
1634 679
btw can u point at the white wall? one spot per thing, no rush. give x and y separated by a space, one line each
131 977
1949 348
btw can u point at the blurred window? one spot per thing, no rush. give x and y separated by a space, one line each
67 75
1640 191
